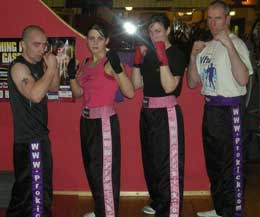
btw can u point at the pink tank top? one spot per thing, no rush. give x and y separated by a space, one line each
99 88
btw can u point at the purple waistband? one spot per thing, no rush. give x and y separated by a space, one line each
222 101
159 102
98 112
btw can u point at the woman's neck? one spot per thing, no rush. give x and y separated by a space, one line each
98 56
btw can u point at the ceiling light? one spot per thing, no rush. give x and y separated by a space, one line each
128 8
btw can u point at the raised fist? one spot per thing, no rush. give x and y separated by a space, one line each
114 60
72 68
161 54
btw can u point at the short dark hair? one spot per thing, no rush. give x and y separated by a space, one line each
101 28
159 18
222 4
27 30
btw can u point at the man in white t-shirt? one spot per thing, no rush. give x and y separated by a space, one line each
223 67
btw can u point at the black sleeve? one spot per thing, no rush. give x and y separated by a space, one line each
177 60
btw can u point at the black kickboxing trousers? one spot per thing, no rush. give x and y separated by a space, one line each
166 192
32 190
225 157
102 163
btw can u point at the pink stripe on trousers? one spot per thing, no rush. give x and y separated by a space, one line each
174 162
107 167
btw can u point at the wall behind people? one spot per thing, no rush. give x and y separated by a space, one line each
64 117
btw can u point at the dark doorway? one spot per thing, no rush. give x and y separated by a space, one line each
238 26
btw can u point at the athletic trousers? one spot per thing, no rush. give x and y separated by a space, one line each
224 153
32 190
100 144
162 141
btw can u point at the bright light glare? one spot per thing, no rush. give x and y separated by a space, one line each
130 28
129 8
180 14
232 13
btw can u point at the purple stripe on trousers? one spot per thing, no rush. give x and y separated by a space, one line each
234 103
174 162
107 167
238 160
37 186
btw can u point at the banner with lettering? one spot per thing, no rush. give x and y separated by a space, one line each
62 47
9 50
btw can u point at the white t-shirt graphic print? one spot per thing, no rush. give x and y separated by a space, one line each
214 67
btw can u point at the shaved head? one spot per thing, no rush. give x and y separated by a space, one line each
220 4
27 30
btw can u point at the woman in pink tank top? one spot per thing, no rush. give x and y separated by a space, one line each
98 80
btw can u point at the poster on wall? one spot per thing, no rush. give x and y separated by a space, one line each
9 50
62 47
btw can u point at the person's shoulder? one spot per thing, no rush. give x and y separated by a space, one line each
175 49
19 61
177 53
235 38
238 42
19 68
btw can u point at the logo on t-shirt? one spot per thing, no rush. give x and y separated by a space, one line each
208 74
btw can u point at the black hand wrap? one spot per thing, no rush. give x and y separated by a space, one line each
114 61
72 69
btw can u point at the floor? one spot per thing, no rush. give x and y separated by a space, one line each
76 206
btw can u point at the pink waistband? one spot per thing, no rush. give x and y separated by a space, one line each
159 102
98 112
